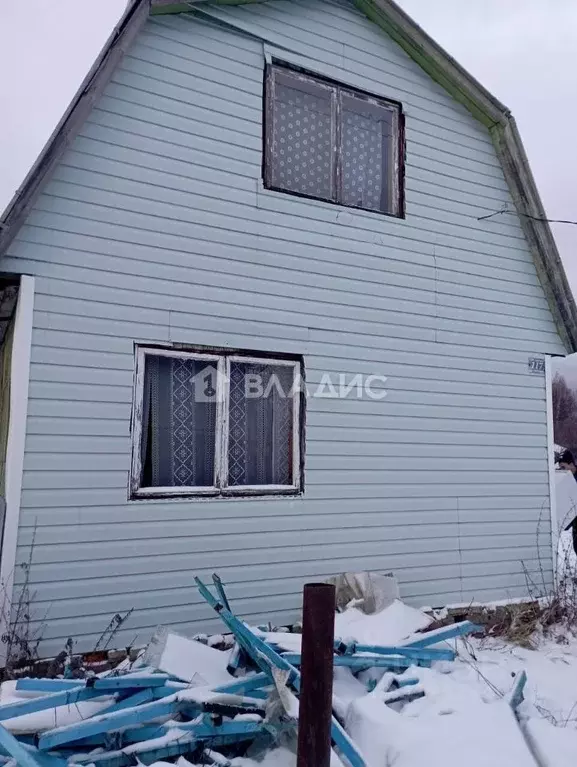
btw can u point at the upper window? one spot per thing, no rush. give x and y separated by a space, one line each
333 143
215 424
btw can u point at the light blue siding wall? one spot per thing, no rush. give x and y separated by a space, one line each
156 228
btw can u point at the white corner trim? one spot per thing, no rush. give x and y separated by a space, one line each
551 464
19 380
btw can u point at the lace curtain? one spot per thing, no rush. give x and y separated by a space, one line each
179 427
179 424
260 427
316 126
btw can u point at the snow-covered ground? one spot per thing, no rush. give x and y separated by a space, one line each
464 716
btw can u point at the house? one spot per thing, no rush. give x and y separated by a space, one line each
241 198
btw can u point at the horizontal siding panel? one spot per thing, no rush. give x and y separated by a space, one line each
57 363
204 558
274 588
156 80
428 524
287 514
79 445
215 200
199 518
104 303
324 297
256 576
283 579
371 265
517 497
99 374
181 36
204 127
401 387
58 426
175 535
181 136
321 358
104 225
243 76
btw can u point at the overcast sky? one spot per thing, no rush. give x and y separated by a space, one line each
524 51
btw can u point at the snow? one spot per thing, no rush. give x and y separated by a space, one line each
187 659
286 642
390 626
41 721
462 716
554 746
464 710
280 757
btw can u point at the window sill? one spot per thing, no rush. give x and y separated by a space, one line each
165 494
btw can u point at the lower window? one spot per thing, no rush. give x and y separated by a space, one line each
215 424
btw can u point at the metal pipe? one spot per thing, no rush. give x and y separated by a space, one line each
316 689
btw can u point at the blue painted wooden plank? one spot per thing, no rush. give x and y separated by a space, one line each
447 632
407 694
64 698
219 586
516 696
227 732
25 756
146 755
247 684
49 685
208 730
363 661
257 648
115 721
408 652
138 699
234 660
403 682
129 681
345 745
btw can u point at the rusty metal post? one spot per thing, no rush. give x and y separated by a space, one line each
316 691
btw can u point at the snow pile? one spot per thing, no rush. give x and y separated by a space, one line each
186 659
391 626
464 713
448 722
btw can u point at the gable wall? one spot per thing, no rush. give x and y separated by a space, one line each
156 227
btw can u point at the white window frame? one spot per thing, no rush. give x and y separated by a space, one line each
220 487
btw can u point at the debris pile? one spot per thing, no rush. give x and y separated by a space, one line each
187 700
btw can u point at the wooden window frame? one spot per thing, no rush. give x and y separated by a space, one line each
222 361
396 207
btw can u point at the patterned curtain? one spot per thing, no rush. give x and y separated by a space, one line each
260 427
365 139
179 422
302 144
